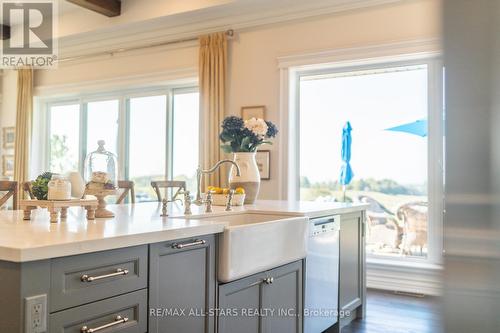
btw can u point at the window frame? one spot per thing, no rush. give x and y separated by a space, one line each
435 139
123 143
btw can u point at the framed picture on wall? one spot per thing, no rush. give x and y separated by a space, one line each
248 112
8 165
263 158
9 137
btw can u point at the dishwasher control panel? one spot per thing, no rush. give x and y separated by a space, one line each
324 225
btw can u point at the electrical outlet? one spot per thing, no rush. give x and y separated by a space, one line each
35 313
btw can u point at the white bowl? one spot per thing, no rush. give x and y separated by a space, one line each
221 199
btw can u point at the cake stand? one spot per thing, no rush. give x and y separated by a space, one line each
101 210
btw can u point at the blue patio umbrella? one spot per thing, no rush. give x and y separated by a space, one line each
418 127
346 173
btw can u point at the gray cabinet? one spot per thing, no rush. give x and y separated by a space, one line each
284 299
352 266
235 298
121 314
182 286
267 302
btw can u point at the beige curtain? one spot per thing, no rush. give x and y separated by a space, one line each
23 125
212 76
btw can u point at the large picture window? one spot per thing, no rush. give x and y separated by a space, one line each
389 109
153 133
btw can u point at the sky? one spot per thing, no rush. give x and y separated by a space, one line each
372 103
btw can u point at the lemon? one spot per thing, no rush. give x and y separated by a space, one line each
225 191
240 190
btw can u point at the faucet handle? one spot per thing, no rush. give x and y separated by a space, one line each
229 201
187 194
208 202
187 203
164 205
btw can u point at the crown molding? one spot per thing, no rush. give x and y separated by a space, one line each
240 16
406 50
175 77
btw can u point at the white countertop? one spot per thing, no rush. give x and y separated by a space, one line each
137 224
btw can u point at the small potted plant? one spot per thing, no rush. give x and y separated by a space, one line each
40 186
243 138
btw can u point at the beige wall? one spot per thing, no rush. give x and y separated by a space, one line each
254 75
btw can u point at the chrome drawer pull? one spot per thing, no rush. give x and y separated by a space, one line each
269 280
118 320
196 242
119 271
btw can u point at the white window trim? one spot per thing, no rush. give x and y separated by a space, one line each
41 138
414 275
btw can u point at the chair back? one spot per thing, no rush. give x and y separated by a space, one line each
157 185
128 188
11 188
28 191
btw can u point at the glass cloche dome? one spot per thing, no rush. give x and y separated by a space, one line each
101 163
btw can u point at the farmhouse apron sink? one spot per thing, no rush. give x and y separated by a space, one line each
254 242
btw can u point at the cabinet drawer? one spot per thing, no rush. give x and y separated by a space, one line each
87 278
124 314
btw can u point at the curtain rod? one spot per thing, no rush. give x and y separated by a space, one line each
229 34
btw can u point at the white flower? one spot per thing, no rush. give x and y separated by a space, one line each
257 126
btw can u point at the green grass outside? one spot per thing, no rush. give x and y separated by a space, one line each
391 201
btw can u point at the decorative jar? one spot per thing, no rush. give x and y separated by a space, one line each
59 188
101 161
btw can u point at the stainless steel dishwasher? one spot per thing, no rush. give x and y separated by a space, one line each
322 274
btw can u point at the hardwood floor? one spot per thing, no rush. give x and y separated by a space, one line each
391 313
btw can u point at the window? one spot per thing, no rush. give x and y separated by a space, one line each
102 116
147 143
64 138
388 108
153 133
186 138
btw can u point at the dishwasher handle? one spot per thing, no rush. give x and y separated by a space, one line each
324 225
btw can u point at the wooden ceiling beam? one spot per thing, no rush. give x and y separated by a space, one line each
109 8
4 31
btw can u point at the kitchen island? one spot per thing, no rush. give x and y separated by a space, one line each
130 272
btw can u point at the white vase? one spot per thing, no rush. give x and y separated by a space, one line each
77 184
249 177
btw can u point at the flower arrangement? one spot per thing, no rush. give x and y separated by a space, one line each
240 135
